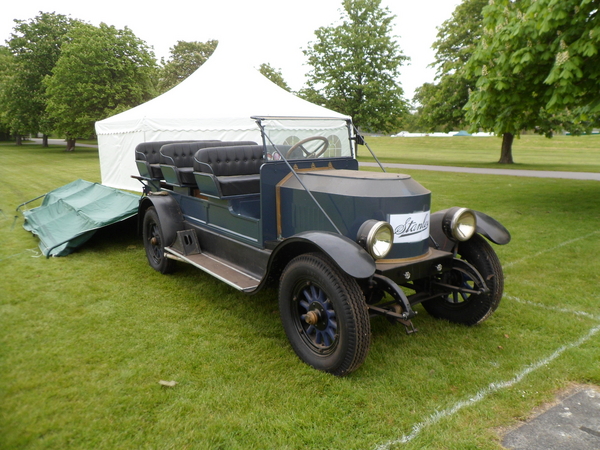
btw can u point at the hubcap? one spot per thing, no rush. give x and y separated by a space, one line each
155 243
311 317
317 318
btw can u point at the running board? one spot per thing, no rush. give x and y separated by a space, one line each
217 268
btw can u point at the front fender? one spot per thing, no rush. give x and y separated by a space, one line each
486 226
492 229
347 254
169 215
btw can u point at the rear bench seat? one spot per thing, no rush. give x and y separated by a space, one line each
147 158
177 160
229 171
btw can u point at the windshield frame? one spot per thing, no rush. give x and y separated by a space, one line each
280 133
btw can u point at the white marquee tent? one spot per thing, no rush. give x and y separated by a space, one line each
215 102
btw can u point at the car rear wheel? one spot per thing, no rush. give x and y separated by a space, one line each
324 315
468 308
154 243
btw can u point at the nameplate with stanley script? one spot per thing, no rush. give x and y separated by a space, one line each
412 227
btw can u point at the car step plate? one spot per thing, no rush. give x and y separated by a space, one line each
217 268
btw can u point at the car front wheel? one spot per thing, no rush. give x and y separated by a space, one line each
324 315
464 307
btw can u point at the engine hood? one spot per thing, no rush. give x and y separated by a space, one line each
358 183
351 197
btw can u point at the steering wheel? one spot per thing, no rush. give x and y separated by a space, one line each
315 153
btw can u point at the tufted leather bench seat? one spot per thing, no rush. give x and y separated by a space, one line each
234 170
177 160
147 158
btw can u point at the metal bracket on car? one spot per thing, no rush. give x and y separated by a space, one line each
471 272
187 243
401 309
395 317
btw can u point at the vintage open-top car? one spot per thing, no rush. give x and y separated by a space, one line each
344 244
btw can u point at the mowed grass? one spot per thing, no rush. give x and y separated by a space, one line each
85 339
530 152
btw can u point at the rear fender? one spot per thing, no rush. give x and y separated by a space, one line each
169 215
345 253
486 226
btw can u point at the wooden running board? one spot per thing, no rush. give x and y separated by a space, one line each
217 268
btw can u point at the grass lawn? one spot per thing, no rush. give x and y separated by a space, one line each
530 152
85 339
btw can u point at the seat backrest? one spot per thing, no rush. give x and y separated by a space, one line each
150 151
229 161
182 154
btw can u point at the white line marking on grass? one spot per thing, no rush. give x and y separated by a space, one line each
553 308
496 386
551 249
482 394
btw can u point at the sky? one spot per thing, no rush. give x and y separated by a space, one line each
262 31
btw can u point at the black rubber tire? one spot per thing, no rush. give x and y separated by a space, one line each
313 282
154 243
474 308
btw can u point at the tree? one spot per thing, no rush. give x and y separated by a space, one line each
535 60
185 59
101 71
274 75
573 27
441 104
36 46
7 70
411 122
355 67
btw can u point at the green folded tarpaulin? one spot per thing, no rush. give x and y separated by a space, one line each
70 215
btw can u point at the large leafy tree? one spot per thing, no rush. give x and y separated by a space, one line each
441 104
7 70
538 68
274 75
36 46
101 71
185 59
355 67
573 27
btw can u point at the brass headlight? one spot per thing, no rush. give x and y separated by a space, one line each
459 224
376 237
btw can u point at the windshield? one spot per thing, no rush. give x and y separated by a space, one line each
300 138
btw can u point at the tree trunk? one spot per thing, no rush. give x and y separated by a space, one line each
44 140
19 140
70 145
506 152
